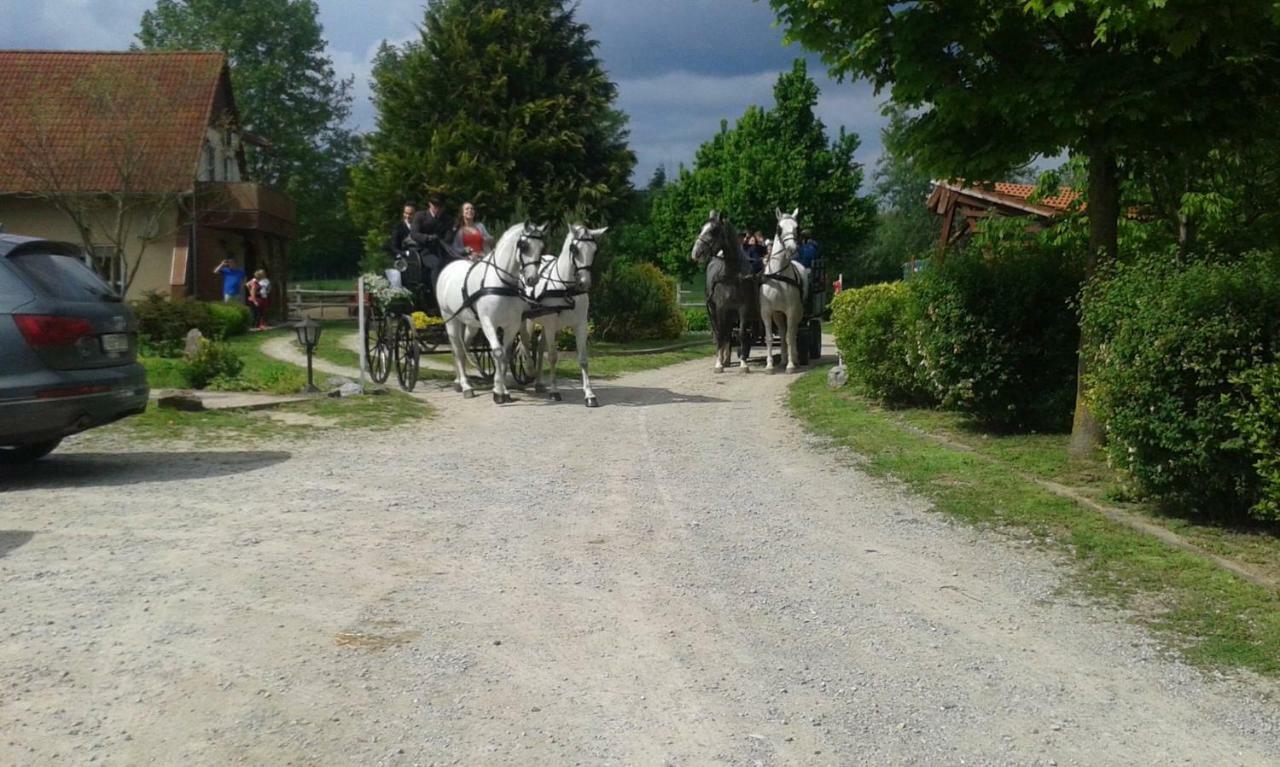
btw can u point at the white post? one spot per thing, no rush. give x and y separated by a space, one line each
360 324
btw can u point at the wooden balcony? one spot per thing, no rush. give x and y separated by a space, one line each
245 206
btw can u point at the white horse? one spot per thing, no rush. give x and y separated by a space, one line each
488 295
783 287
562 294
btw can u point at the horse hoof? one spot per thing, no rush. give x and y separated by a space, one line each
469 393
457 387
497 398
540 388
593 402
555 396
507 399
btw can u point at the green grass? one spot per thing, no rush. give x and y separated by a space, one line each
1211 616
314 417
260 374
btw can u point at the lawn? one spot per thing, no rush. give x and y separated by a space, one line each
1210 615
260 374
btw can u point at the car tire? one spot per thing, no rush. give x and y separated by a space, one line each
27 453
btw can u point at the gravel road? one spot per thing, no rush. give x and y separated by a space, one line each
679 577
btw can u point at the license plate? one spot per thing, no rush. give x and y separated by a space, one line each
114 343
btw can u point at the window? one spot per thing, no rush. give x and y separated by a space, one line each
62 275
210 163
108 266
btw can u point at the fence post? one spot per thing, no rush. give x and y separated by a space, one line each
360 324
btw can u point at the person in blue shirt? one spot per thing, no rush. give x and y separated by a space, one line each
232 281
807 253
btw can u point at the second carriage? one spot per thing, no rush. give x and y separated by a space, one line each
404 323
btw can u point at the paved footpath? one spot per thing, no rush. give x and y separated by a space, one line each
679 577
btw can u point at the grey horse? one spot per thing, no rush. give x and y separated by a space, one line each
732 291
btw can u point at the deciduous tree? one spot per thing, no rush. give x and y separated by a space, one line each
287 92
993 83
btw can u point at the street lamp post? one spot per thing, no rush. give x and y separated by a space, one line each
308 331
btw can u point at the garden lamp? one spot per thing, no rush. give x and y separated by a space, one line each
308 331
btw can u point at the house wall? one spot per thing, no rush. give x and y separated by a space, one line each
38 218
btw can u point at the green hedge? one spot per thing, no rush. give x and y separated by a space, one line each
877 331
163 324
636 302
999 332
1259 425
697 320
1179 356
212 361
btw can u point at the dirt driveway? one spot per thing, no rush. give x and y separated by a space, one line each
676 578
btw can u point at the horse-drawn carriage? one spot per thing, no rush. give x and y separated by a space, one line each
809 336
407 324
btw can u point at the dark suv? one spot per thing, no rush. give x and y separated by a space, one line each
68 349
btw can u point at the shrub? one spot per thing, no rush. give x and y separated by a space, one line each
212 360
227 320
876 331
998 330
1259 425
636 301
697 320
1173 351
163 324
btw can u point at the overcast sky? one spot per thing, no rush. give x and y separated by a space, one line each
681 65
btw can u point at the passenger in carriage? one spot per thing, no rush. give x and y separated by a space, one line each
432 233
400 232
472 238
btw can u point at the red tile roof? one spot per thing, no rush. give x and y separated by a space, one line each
91 122
1063 200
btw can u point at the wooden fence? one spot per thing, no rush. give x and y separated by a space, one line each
322 304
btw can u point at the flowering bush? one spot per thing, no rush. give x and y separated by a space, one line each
422 320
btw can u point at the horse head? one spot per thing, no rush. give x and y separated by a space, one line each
786 240
582 246
533 240
709 237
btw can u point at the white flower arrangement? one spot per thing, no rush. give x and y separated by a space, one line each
382 291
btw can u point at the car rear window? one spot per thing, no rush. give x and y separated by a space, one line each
62 276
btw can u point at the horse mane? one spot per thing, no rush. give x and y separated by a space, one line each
504 251
731 244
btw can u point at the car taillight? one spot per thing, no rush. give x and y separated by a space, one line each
42 330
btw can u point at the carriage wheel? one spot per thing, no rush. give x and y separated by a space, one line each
481 355
815 339
525 375
406 354
377 350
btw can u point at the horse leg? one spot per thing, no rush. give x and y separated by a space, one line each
718 334
457 333
794 313
766 318
744 343
580 337
499 351
550 330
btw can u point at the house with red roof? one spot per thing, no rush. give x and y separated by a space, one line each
962 206
139 157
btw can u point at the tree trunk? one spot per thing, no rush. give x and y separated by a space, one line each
1104 216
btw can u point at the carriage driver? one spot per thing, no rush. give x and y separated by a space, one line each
432 231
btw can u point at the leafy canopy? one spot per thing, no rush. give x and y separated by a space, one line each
775 158
504 104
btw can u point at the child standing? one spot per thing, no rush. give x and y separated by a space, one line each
260 297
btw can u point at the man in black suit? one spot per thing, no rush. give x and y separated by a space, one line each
432 231
401 230
432 222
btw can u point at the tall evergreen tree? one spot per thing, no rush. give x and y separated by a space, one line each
503 103
287 92
776 158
